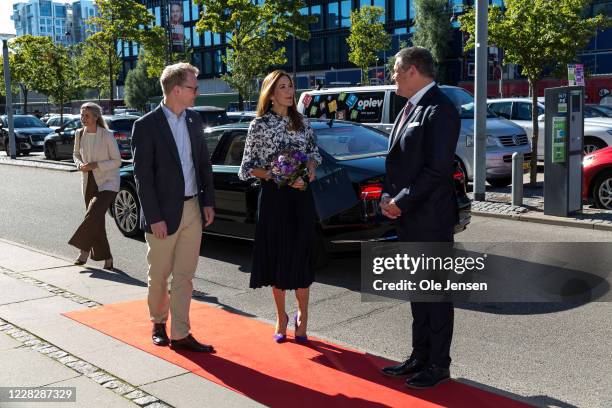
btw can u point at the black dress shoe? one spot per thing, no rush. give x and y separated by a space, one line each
191 344
411 366
160 338
429 377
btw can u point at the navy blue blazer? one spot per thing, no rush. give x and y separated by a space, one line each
420 166
158 173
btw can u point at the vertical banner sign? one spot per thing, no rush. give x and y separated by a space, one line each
579 74
571 74
558 142
177 31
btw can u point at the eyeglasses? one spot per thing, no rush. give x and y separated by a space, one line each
193 88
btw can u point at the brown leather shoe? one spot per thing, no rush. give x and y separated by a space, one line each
191 344
160 338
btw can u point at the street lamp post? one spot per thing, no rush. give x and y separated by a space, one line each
9 95
480 102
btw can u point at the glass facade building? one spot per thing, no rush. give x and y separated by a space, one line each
324 57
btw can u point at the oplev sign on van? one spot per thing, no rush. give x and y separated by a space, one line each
364 107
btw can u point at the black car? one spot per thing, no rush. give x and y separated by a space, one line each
60 144
212 115
358 149
30 133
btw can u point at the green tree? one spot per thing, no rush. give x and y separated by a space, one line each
537 35
93 72
118 22
390 66
368 37
58 75
157 55
139 87
251 32
24 58
433 30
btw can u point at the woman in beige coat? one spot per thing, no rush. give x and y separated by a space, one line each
97 156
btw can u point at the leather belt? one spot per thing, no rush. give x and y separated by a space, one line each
187 198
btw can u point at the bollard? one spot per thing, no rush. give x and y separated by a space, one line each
517 179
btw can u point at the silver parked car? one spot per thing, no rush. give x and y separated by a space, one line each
378 106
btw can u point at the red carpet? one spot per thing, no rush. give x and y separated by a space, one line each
249 362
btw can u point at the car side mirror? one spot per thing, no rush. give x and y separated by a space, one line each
541 118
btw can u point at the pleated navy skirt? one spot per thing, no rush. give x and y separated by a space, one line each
284 238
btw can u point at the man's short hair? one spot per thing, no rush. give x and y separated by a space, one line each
174 75
420 57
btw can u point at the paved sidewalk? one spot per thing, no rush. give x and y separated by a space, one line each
39 347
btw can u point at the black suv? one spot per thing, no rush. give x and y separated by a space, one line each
30 133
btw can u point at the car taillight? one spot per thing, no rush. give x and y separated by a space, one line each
370 192
121 136
458 175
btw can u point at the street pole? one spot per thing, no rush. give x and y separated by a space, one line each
9 99
480 103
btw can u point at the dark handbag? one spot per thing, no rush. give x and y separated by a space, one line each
333 193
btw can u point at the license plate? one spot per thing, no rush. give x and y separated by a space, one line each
526 165
38 143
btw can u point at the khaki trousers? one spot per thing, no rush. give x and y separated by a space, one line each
176 255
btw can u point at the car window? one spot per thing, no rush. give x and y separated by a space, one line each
121 125
213 118
503 109
343 141
53 122
464 102
361 107
73 124
28 122
397 104
523 111
233 157
212 141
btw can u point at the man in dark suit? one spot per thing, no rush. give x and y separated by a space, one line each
175 188
419 194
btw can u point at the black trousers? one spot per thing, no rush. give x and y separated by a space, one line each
432 322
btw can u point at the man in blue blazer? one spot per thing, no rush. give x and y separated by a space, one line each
174 182
419 194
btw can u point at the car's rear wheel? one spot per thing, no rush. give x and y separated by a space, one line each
602 190
592 143
500 182
50 151
126 211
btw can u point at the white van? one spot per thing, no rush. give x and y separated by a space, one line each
378 106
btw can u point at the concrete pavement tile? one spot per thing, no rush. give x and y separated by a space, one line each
20 259
7 342
37 312
94 284
14 290
131 364
88 395
201 393
19 365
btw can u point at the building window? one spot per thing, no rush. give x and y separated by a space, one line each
196 60
603 8
218 62
45 8
158 16
195 12
196 38
303 53
187 31
332 15
400 10
216 39
316 51
316 12
208 63
186 10
346 13
332 50
207 37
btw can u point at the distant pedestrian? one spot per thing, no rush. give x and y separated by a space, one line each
97 157
283 253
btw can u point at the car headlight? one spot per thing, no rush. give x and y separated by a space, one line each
588 160
491 141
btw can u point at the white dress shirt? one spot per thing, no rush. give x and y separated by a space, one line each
178 126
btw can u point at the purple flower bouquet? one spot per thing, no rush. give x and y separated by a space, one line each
288 167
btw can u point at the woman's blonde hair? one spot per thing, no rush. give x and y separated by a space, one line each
265 99
95 110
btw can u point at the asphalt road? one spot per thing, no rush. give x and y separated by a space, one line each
544 354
